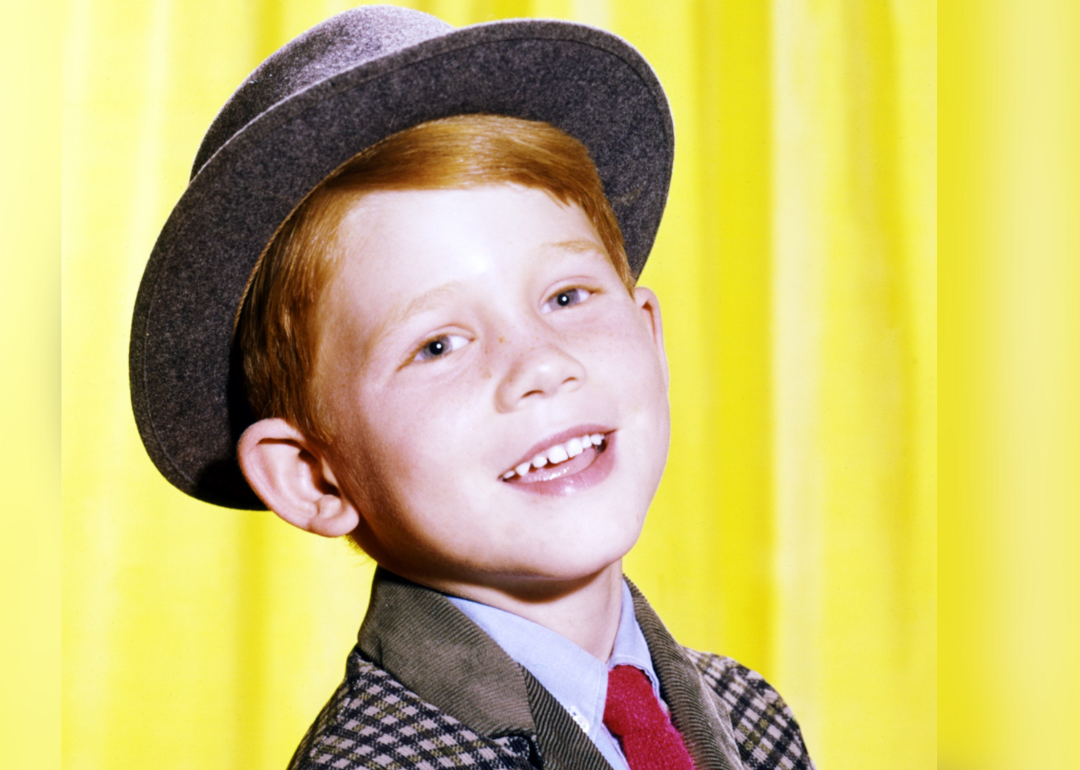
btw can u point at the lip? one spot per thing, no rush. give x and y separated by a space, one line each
593 474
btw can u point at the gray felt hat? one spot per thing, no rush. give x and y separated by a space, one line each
335 90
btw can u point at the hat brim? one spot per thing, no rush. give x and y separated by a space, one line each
184 381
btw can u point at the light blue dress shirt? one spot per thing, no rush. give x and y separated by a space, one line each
576 679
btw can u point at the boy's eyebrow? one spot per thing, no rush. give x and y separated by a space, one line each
579 246
425 301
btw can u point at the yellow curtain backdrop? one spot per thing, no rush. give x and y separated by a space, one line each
795 527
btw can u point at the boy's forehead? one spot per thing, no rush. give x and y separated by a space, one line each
404 252
419 235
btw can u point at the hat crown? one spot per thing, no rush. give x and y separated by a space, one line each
341 42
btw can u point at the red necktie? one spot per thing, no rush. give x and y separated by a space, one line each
633 715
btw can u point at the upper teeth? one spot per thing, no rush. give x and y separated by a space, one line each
557 454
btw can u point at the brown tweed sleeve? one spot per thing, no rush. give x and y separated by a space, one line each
765 729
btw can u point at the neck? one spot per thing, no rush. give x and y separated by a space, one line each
585 611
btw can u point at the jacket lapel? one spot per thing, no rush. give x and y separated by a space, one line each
702 718
431 647
434 650
563 745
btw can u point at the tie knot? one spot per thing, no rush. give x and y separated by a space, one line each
631 703
633 714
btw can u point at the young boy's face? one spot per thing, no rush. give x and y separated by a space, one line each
466 333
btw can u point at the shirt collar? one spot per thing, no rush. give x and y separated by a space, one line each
576 679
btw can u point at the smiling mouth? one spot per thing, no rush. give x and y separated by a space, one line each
558 460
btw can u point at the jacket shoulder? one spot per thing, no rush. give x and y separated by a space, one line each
373 721
765 729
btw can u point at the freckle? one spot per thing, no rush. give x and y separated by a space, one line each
502 339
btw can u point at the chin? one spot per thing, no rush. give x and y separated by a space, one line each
589 557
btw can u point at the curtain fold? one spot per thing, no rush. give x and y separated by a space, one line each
795 527
853 371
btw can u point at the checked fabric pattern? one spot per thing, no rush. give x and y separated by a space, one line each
372 721
765 729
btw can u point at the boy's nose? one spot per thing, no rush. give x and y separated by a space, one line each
537 373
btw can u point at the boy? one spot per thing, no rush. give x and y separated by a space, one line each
440 353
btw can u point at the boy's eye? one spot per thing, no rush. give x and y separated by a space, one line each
440 346
566 298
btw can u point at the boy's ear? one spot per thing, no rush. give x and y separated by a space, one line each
649 305
292 476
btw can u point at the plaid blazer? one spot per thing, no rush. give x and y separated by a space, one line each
425 688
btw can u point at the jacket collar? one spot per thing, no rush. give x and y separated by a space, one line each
426 643
431 647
